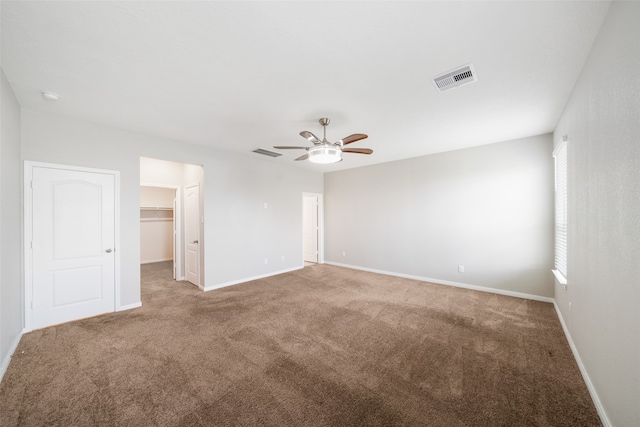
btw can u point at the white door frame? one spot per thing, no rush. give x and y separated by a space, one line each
177 223
320 226
28 221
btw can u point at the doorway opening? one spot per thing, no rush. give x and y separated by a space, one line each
312 231
159 234
172 218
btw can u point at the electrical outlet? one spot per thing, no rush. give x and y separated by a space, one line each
266 261
283 257
461 269
344 253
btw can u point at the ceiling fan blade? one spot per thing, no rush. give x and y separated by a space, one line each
357 150
305 157
311 137
353 138
287 147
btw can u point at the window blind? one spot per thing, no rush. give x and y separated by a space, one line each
560 263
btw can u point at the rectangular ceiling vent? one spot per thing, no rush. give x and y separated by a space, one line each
456 78
266 152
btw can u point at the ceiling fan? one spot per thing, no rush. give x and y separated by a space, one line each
325 151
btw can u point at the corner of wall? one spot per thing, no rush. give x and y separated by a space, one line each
11 262
583 370
7 357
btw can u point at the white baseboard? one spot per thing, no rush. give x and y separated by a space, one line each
449 283
12 349
129 306
248 279
583 371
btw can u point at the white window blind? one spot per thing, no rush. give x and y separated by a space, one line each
560 264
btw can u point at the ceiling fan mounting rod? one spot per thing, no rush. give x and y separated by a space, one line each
324 122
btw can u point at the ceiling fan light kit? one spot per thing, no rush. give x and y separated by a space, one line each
324 152
325 155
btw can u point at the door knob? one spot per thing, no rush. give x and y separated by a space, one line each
195 241
108 251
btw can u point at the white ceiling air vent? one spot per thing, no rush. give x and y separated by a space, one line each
458 77
266 152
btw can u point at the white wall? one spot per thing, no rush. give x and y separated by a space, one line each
239 232
156 241
158 197
602 121
156 225
488 208
11 306
161 172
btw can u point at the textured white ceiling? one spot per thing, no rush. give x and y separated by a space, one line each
241 75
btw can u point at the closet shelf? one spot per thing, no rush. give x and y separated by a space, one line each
156 213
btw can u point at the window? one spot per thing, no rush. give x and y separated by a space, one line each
560 263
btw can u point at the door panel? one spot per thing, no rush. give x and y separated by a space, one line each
192 216
310 228
73 238
77 285
76 217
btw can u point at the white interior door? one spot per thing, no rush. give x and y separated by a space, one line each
192 225
73 235
310 228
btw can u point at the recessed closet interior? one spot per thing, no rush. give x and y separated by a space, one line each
157 241
168 218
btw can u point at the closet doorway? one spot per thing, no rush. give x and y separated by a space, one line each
159 233
312 229
163 225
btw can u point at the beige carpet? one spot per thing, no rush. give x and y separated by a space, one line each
322 346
